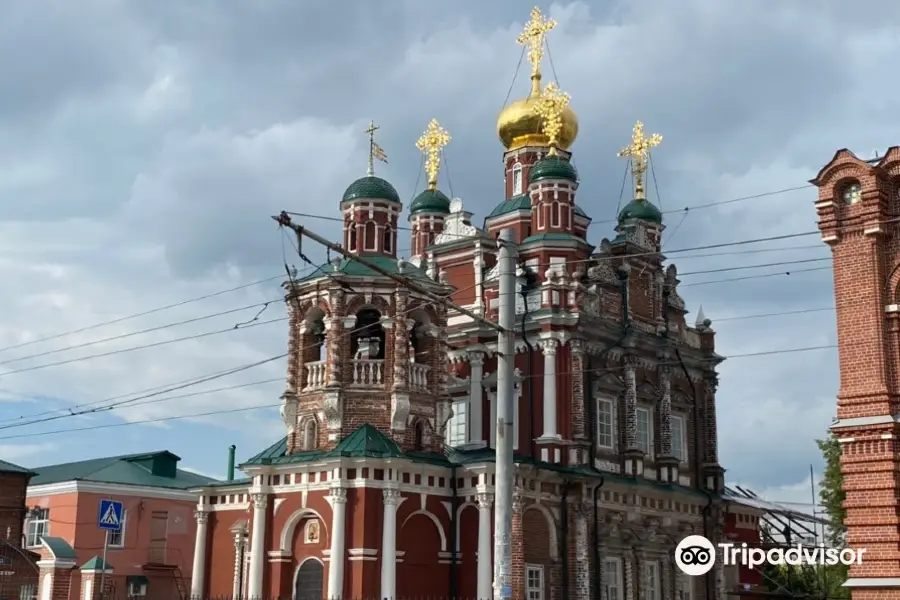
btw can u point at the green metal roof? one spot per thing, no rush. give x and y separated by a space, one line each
59 548
96 564
367 442
8 467
553 237
641 209
522 202
371 187
553 167
353 268
152 469
430 201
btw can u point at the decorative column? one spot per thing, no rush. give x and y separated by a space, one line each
582 559
476 394
550 431
478 264
296 333
240 545
392 500
338 501
198 573
579 425
334 335
667 583
517 547
54 577
630 402
485 566
401 341
630 575
257 546
711 455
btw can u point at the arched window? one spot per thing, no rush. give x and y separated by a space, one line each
419 436
352 237
370 236
852 193
309 435
517 179
388 244
555 214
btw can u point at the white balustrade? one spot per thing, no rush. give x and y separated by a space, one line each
315 375
418 376
367 372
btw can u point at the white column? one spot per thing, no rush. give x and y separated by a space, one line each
550 431
476 393
338 501
478 264
389 544
199 571
485 568
257 547
239 562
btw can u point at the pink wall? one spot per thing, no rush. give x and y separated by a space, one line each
73 517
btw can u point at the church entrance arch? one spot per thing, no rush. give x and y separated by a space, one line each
309 581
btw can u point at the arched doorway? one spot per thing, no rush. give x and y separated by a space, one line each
309 582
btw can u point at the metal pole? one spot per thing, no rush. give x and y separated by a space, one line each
103 566
506 355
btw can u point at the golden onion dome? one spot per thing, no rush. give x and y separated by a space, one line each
519 125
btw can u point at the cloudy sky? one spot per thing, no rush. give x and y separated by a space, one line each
143 147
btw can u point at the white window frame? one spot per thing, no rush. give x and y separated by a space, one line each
32 535
612 592
679 450
120 534
648 450
556 214
137 590
532 592
457 428
366 240
612 423
517 180
650 574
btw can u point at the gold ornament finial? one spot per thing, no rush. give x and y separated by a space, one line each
533 37
375 151
549 107
431 144
639 154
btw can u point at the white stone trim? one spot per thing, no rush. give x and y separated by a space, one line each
362 554
140 491
872 582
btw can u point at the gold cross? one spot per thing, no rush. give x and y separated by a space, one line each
639 154
371 129
533 36
549 107
431 144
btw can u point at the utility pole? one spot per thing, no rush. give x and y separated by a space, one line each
506 355
284 219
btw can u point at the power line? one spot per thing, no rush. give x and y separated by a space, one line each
143 346
763 276
802 311
140 314
249 408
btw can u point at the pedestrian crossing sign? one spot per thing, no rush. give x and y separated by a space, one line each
110 517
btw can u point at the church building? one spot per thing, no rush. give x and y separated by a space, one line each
382 485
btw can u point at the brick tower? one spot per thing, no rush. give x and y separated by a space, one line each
858 209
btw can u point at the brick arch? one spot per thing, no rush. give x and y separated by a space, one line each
549 522
305 307
359 302
459 512
288 532
421 544
843 164
437 524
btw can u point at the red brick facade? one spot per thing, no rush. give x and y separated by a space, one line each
859 214
18 567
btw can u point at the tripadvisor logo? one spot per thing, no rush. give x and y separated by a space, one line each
695 555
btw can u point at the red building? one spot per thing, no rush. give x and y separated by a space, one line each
383 485
859 217
149 558
18 566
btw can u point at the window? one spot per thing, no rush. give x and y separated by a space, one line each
352 242
643 430
387 246
555 208
612 579
852 193
685 589
419 436
137 589
117 538
38 527
517 179
649 581
309 435
28 591
370 236
456 428
678 438
605 424
534 582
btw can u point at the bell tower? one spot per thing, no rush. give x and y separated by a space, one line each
858 210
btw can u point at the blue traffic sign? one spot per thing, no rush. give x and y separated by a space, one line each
110 517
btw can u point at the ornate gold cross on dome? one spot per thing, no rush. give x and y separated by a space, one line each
639 154
533 37
431 144
376 152
549 106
